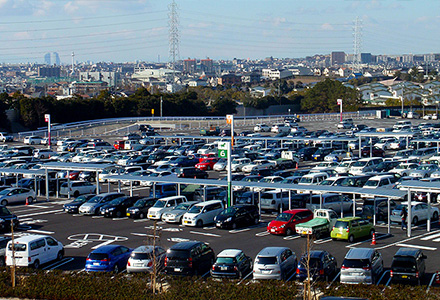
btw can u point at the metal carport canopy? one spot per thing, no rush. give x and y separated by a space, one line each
378 192
421 186
34 172
385 134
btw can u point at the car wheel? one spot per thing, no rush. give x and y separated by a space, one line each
36 264
234 225
4 202
351 238
116 269
435 216
118 214
288 231
415 220
141 215
60 255
30 200
199 223
256 221
76 194
32 143
371 233
2 262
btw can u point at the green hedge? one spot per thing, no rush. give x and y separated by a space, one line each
77 286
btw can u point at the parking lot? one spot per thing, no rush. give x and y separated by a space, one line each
81 234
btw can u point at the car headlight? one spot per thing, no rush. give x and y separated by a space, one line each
111 208
282 226
229 219
135 210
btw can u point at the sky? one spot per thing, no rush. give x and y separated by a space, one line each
138 30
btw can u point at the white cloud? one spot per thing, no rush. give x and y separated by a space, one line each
43 8
21 35
327 26
3 2
70 7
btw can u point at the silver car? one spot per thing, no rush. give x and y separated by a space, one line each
361 265
142 259
275 263
92 206
176 215
16 194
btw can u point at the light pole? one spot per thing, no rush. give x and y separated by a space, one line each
161 103
339 101
289 111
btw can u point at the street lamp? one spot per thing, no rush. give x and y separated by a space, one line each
289 111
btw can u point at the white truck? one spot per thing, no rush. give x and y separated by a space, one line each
321 224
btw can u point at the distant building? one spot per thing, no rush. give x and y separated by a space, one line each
189 66
52 59
109 77
275 74
207 65
49 71
91 88
251 77
338 58
366 58
229 79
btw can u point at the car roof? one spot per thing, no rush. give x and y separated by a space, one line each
230 253
295 211
144 249
208 202
349 219
407 252
271 251
359 253
185 245
315 253
29 238
105 249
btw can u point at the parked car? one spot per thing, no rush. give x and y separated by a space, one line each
207 164
378 205
361 265
261 128
202 213
352 228
320 263
237 216
275 263
231 263
77 188
108 258
33 251
164 205
92 206
43 153
143 258
72 207
331 201
16 194
117 208
3 242
32 140
139 210
285 222
419 212
191 172
189 258
376 152
176 215
6 217
408 266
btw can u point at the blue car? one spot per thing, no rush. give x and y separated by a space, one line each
108 258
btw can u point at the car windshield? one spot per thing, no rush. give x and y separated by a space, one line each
356 263
341 224
284 217
345 164
195 209
159 204
81 199
266 260
140 203
372 183
225 260
4 192
230 211
98 256
183 206
359 164
117 201
95 199
177 254
403 263
140 255
328 182
306 180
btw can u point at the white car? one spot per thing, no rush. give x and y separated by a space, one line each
77 188
43 153
280 128
258 164
32 140
261 128
419 212
385 143
220 165
202 213
238 163
164 205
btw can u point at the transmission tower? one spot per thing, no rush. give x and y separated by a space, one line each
357 45
173 22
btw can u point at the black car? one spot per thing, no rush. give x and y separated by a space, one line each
118 207
72 207
306 153
380 205
299 200
249 197
6 217
408 266
231 263
263 172
3 242
237 216
385 166
322 265
140 209
189 258
191 172
321 153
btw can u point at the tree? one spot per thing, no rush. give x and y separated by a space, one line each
224 106
322 98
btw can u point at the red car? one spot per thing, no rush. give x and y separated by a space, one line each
377 152
284 224
207 164
206 156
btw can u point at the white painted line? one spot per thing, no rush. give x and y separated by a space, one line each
77 215
406 240
39 206
322 241
292 237
239 230
97 217
430 237
59 264
103 244
41 213
41 231
436 240
140 220
178 240
417 246
60 213
161 223
204 233
144 234
264 233
118 219
25 219
209 228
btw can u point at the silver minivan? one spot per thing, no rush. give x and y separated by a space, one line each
275 263
332 201
361 265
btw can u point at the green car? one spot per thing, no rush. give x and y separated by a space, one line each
351 228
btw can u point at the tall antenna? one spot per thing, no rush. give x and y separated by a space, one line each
73 63
173 23
357 45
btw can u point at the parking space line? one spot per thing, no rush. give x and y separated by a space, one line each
322 241
264 233
292 237
97 217
430 237
239 230
204 233
118 219
41 213
140 220
209 228
59 263
145 234
40 231
406 240
417 246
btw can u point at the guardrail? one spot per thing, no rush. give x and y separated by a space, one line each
66 130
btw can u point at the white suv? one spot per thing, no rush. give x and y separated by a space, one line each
203 213
77 188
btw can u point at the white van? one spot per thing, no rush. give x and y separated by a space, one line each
203 213
364 165
34 250
313 178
